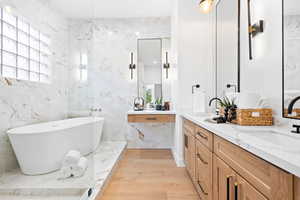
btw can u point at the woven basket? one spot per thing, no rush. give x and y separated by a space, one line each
254 117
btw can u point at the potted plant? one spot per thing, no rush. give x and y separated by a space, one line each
148 99
158 104
228 109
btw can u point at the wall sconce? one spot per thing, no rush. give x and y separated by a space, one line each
83 67
232 86
132 66
167 65
253 30
206 5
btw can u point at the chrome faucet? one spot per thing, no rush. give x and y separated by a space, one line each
215 99
290 111
291 106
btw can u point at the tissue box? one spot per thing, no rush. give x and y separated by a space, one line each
254 117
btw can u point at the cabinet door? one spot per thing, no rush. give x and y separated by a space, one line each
204 162
245 191
187 152
190 154
223 180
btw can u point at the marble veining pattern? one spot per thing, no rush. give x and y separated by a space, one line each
108 43
100 168
23 102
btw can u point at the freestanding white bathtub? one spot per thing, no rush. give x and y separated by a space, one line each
41 148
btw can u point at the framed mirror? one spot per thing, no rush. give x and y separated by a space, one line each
150 81
291 59
227 33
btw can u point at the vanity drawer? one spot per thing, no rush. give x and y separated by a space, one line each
271 181
189 126
205 137
204 160
151 118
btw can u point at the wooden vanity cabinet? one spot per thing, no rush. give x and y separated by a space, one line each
198 158
204 163
245 191
223 179
272 182
189 149
230 186
221 170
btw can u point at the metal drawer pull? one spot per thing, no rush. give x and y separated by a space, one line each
201 159
201 188
236 192
204 137
151 118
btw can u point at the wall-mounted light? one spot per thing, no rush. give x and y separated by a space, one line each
83 73
232 86
206 5
8 8
167 65
132 66
253 30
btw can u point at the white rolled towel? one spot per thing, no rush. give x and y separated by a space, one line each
72 158
65 172
80 168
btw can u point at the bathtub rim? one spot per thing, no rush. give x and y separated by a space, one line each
19 131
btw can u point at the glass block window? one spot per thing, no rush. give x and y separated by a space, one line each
25 51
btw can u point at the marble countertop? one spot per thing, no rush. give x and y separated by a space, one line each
276 145
151 112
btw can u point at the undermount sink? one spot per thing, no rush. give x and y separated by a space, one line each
210 120
273 138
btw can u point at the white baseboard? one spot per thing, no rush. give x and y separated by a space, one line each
179 161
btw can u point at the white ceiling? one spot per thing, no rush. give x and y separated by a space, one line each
112 8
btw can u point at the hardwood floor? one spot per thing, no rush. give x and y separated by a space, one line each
149 175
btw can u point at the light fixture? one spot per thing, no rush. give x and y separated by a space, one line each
83 59
206 5
167 65
8 9
253 30
132 66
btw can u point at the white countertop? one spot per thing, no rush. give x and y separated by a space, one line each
276 145
151 112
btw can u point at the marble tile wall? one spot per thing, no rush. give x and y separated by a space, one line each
108 43
23 102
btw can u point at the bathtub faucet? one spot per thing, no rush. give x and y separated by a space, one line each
96 109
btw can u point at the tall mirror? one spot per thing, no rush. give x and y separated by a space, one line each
150 70
227 47
291 59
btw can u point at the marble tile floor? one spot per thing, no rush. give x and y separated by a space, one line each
14 185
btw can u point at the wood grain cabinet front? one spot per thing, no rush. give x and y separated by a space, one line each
221 170
189 152
272 182
204 162
244 191
205 137
151 118
231 186
223 180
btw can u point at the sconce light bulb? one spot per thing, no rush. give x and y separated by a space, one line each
8 8
84 59
206 5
